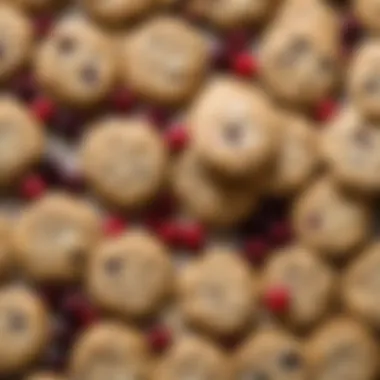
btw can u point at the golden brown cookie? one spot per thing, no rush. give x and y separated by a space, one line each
241 124
361 286
54 236
300 56
195 358
16 40
233 13
44 376
367 12
164 60
350 146
21 140
110 351
342 349
117 11
298 156
131 274
208 200
76 63
217 293
271 354
24 328
309 281
124 160
330 221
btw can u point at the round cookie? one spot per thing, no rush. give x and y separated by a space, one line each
213 203
309 280
131 173
130 275
270 354
330 221
44 376
5 247
16 41
217 293
117 11
364 79
109 351
194 358
173 53
367 12
76 63
342 349
24 328
350 146
240 122
300 57
298 156
21 140
361 286
53 237
233 13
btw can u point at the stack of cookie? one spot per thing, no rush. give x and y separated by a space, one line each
219 106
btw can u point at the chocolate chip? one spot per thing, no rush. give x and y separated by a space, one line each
314 221
113 266
66 45
89 74
290 361
233 133
298 48
17 321
363 138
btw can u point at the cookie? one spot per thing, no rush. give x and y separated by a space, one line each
37 5
207 200
53 237
193 357
109 351
361 286
309 280
130 275
133 171
350 146
270 354
117 11
330 221
24 326
342 349
367 11
217 293
44 376
16 41
298 157
76 64
174 54
5 247
240 122
300 57
228 14
21 140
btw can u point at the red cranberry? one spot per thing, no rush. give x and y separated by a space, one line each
158 116
32 186
114 225
168 232
277 299
192 236
326 110
122 100
244 64
43 24
236 41
159 338
43 109
351 32
176 138
280 232
77 308
256 249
